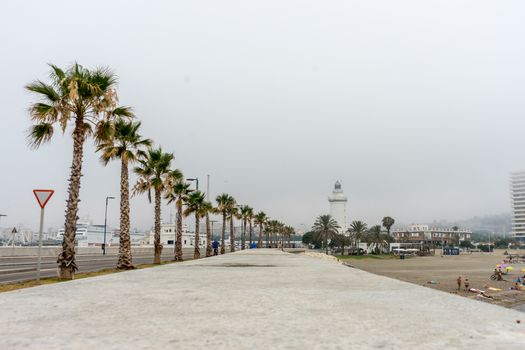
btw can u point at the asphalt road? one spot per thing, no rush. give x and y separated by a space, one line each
18 269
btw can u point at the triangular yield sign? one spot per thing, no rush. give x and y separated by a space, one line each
43 196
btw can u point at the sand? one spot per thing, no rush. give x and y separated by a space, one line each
477 267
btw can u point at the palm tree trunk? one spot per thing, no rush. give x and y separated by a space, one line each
178 239
243 234
232 236
158 246
268 239
66 260
124 250
223 233
208 236
197 251
251 233
260 244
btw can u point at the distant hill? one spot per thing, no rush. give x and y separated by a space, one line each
499 224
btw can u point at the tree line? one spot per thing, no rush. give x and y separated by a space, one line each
325 233
85 102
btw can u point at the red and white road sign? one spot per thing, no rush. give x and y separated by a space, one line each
43 196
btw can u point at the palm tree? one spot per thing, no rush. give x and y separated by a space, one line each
194 204
270 228
357 230
455 236
375 237
326 228
288 232
260 220
208 208
224 202
178 193
244 215
88 101
232 213
250 217
155 174
388 222
124 143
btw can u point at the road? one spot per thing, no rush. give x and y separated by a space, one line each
18 269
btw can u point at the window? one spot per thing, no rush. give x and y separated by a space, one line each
170 241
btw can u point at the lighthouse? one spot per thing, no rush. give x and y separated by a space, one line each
338 206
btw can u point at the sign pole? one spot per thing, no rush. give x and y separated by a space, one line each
40 245
42 197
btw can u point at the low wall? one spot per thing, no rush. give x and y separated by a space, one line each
323 256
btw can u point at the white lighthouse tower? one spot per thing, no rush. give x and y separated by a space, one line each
338 206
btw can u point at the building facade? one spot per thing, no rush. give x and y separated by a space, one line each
432 235
338 206
517 194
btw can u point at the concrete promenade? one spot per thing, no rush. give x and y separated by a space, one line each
257 299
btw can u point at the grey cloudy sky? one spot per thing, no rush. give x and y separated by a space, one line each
417 106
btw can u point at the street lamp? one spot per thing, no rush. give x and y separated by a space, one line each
105 225
196 182
1 215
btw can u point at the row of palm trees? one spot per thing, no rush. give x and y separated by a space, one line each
327 229
86 101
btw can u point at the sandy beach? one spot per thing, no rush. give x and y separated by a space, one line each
477 267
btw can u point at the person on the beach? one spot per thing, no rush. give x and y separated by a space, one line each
467 284
458 280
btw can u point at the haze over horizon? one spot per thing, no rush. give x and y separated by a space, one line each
418 111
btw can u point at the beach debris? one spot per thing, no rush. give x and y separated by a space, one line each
432 282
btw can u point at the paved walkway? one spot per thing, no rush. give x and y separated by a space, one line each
258 299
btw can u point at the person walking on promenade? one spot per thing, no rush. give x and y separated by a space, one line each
467 284
458 280
215 246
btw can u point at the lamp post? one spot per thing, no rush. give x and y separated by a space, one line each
196 182
2 215
105 225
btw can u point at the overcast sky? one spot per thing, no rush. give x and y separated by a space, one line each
416 106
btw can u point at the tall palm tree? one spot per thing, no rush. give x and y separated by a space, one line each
455 236
125 143
326 228
388 222
375 237
260 220
357 230
178 193
232 214
206 209
244 214
87 101
249 217
194 205
224 202
270 227
289 232
155 174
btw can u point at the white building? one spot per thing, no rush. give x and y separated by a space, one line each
168 232
432 235
338 206
517 193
